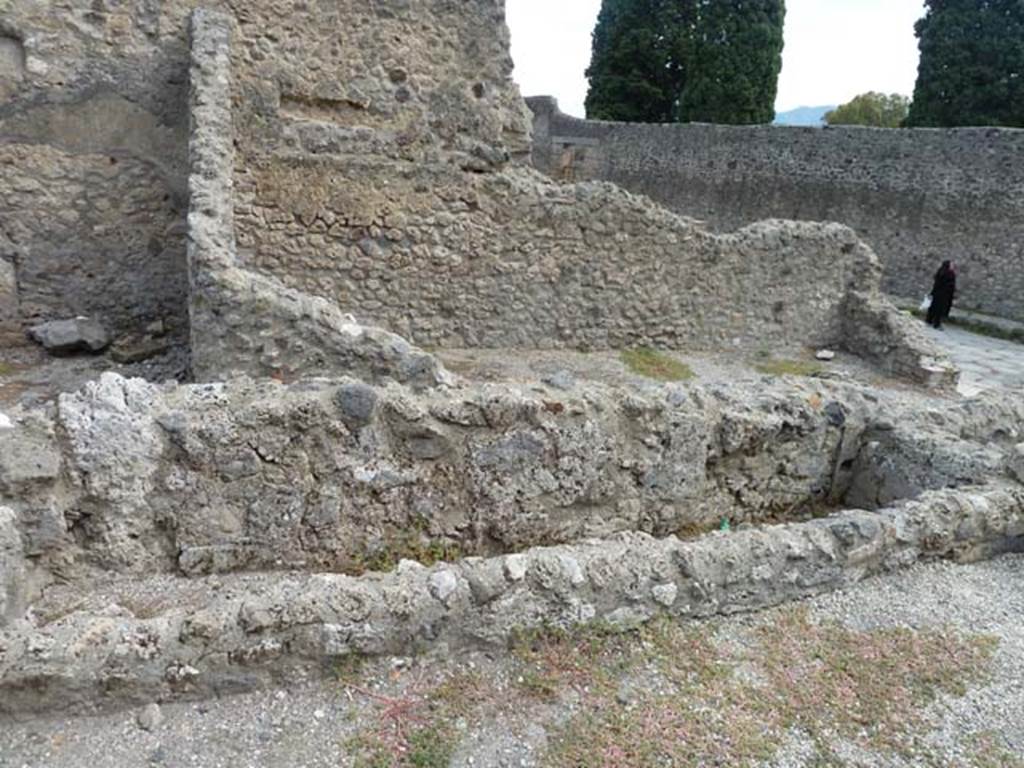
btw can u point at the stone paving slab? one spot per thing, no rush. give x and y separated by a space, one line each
985 362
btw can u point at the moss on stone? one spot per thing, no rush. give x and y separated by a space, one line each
653 364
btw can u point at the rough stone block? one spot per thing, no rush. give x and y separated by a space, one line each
29 458
66 337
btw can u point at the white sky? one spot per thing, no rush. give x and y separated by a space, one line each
835 49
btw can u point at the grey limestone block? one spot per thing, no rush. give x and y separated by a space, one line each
66 337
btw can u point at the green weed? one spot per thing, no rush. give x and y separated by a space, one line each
655 365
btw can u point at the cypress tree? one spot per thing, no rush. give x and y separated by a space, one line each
972 64
682 60
636 67
735 61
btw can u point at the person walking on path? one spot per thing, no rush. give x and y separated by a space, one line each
943 293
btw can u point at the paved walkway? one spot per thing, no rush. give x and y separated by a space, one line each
986 362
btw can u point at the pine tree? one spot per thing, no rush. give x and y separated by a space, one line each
972 64
735 61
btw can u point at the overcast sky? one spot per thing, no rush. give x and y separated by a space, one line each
835 49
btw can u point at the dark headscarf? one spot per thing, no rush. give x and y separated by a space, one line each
945 278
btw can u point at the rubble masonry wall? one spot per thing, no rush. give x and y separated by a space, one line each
377 151
916 197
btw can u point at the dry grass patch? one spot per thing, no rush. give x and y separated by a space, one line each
655 365
870 688
829 682
693 694
989 753
415 729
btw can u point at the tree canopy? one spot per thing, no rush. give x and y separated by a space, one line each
972 64
686 60
637 60
871 108
732 72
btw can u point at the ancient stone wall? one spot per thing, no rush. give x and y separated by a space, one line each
394 193
374 151
915 196
132 517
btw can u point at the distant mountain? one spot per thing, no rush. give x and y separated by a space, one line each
803 116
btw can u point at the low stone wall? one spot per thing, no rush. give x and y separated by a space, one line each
252 632
915 196
115 508
131 478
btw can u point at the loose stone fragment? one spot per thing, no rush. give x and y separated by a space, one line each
65 337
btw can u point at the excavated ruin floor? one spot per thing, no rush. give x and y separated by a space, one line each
29 376
916 650
923 667
612 368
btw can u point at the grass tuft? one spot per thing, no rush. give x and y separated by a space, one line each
416 729
413 543
653 364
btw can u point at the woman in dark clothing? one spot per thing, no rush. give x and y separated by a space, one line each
942 294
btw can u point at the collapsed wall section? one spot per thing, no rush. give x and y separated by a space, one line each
916 196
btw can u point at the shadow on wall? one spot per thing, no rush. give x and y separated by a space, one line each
93 225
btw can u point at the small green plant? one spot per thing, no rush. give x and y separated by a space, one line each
416 729
414 543
539 685
430 748
772 367
656 365
349 669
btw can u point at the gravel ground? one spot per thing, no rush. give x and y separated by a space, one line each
312 726
985 598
